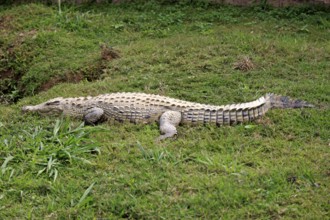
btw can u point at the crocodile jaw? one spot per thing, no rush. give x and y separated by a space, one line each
41 110
51 107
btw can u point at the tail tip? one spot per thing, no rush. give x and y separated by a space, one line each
278 101
302 104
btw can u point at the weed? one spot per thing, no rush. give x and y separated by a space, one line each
50 150
84 199
156 155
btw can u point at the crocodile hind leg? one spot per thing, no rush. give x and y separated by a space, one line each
167 124
93 116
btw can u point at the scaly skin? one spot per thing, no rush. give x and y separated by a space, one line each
169 112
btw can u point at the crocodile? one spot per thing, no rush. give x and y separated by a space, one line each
169 112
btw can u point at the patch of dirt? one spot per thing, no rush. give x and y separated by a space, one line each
10 75
109 53
71 78
8 86
11 89
7 74
5 22
90 73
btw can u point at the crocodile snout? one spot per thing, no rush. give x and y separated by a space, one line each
42 109
26 109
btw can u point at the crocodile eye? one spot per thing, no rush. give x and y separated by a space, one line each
53 103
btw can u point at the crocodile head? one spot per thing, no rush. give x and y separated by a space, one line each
51 107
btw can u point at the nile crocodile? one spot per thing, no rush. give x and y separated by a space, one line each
169 112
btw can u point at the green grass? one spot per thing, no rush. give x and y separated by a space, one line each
54 168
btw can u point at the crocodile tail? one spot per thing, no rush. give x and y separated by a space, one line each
237 113
278 101
252 110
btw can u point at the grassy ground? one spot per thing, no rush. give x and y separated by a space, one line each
55 168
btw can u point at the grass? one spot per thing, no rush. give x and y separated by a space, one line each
55 168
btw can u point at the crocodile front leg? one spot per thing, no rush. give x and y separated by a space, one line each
167 124
93 116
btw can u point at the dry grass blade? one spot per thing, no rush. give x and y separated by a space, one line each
244 64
